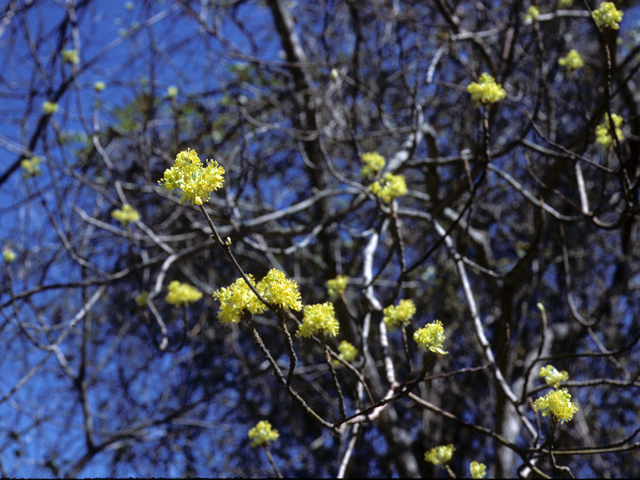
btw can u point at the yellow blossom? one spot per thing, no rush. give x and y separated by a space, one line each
486 90
347 351
317 319
142 299
182 294
392 186
8 255
262 434
373 163
99 86
31 167
430 337
278 290
573 61
397 316
439 455
603 131
237 298
50 108
552 376
195 181
532 14
337 286
557 403
607 16
478 470
172 91
70 56
127 215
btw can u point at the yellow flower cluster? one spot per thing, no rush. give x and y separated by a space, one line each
262 434
8 255
607 16
430 337
127 215
532 14
337 286
30 168
317 319
182 294
275 288
478 470
99 86
486 90
558 403
572 62
390 187
142 299
347 351
397 316
439 455
70 56
565 3
235 299
172 91
195 181
603 135
50 108
373 163
552 376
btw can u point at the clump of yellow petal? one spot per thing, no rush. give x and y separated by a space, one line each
182 294
318 319
573 61
607 16
278 290
235 299
603 131
127 215
439 455
31 167
195 181
373 163
430 337
50 108
347 351
70 56
478 470
397 316
552 376
390 187
486 90
263 434
557 403
337 286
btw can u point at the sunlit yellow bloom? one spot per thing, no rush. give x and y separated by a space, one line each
8 255
70 56
347 351
278 290
337 286
142 299
373 163
195 181
31 167
397 316
50 108
263 434
573 61
127 215
430 337
237 298
439 455
558 403
603 131
486 90
99 86
172 91
552 376
607 16
478 470
532 14
318 319
182 294
390 187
